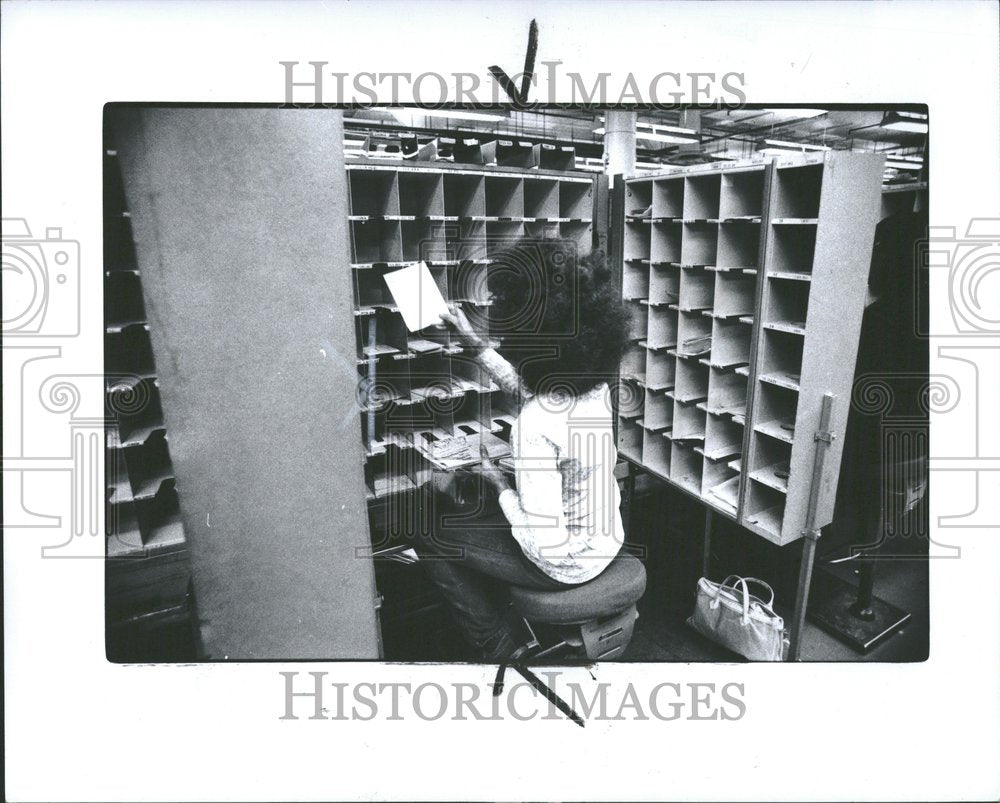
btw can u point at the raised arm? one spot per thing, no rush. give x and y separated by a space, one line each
502 372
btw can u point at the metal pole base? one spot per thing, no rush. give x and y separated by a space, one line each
832 606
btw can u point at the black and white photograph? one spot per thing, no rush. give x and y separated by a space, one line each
532 401
587 371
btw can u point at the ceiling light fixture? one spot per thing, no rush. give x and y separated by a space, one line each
454 114
796 114
912 122
780 145
665 133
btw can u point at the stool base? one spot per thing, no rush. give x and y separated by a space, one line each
598 640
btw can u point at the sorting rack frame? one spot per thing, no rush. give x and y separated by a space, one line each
147 570
750 280
456 218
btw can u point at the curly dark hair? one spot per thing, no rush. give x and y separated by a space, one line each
559 314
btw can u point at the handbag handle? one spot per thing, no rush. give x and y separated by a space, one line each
759 582
746 595
762 584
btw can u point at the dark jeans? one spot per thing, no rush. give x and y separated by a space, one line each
473 561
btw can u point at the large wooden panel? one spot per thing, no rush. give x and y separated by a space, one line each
240 225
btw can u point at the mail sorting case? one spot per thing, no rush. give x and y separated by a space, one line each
421 385
147 572
746 285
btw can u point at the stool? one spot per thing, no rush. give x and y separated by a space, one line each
595 618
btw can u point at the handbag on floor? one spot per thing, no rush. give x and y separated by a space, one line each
730 615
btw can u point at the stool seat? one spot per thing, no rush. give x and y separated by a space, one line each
614 590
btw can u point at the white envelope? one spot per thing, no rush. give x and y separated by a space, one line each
417 295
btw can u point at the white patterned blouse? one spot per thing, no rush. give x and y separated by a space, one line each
565 512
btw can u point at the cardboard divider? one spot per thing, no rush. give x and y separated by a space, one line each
504 412
638 320
782 354
720 486
787 305
631 398
793 249
797 190
697 291
727 394
665 242
542 229
765 509
423 240
370 288
664 283
699 245
668 198
739 245
541 198
576 200
635 281
634 363
430 340
128 349
431 374
691 383
472 414
685 467
701 197
630 439
373 192
638 197
390 333
658 412
637 241
723 438
147 465
505 196
769 461
500 236
775 412
661 331
742 194
375 241
469 281
383 381
691 327
735 295
661 370
464 195
730 343
557 157
656 453
135 426
472 243
517 153
389 473
421 193
122 299
581 234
